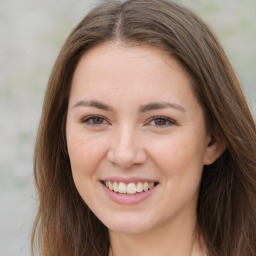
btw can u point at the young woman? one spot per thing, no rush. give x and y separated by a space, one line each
146 145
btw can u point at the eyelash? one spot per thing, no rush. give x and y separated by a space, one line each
162 118
90 119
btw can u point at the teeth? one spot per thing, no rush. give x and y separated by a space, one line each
145 186
130 188
150 185
122 188
110 185
115 186
140 187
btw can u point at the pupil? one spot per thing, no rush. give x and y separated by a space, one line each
160 121
97 120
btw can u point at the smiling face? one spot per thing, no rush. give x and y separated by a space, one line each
136 137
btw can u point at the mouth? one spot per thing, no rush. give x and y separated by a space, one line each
131 188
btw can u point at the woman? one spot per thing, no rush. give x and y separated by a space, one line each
146 145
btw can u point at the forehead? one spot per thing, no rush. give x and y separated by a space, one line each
112 57
143 72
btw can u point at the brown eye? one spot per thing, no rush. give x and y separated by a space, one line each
94 121
160 121
97 120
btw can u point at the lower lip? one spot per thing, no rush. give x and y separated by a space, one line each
128 199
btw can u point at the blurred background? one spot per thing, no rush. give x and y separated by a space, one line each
31 35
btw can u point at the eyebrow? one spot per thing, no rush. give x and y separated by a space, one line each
160 105
94 104
142 108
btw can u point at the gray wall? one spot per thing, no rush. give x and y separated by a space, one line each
31 34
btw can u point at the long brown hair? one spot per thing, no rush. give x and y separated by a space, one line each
227 200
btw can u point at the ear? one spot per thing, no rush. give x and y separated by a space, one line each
215 146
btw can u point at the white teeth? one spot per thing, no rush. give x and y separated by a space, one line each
145 186
122 188
110 185
139 187
130 188
115 186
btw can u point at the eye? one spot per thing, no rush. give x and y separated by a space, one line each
161 121
95 120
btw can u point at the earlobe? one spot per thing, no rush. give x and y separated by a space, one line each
216 145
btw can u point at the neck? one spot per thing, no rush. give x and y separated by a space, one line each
175 239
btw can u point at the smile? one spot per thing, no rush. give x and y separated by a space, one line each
131 188
129 193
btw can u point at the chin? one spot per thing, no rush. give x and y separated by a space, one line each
128 225
131 229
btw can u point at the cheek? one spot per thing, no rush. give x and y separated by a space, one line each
180 160
178 155
85 155
85 151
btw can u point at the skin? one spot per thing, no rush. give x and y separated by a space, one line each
124 141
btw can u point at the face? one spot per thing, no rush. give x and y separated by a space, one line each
136 137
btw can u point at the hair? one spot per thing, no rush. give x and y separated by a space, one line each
227 199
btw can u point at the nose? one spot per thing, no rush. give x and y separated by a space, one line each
126 150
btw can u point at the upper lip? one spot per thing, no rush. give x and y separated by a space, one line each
128 179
